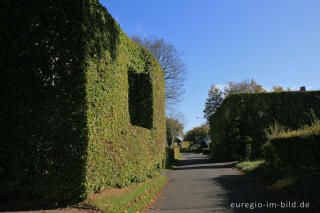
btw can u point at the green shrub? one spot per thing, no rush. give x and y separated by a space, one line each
195 148
176 151
278 131
185 146
74 118
238 126
298 148
205 151
171 154
297 151
168 158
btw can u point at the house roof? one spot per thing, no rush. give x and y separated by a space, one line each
180 138
206 139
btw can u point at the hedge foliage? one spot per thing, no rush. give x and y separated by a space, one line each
176 151
297 151
298 148
185 146
73 118
238 126
171 154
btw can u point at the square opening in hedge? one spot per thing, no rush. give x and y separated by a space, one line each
140 99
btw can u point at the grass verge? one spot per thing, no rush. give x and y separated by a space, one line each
135 198
296 183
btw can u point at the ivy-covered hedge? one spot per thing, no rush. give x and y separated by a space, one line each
237 128
298 151
176 151
185 146
73 118
171 154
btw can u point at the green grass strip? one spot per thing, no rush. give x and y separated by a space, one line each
135 198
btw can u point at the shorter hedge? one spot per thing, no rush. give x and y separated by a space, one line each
176 152
171 154
185 146
296 151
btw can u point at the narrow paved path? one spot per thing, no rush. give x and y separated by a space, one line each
198 185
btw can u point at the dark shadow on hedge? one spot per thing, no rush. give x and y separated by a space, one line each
66 128
44 138
140 99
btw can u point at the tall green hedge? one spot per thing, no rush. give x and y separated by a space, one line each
68 127
237 128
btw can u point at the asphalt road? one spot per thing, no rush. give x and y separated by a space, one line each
198 185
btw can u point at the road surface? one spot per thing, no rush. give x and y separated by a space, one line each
197 185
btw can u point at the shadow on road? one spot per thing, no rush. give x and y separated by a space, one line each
198 161
203 167
230 187
248 196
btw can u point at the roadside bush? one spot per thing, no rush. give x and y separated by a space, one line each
238 126
176 151
195 148
205 151
297 151
82 105
297 148
185 146
171 154
168 158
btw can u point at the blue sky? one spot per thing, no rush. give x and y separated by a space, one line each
275 42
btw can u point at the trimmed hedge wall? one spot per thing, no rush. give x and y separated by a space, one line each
171 154
69 127
297 151
237 127
185 146
176 151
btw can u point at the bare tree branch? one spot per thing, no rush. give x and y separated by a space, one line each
170 61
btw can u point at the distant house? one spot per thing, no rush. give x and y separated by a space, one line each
177 140
204 142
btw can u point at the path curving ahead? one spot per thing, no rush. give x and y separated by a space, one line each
200 186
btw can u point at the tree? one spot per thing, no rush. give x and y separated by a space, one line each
214 100
215 96
243 86
196 133
170 61
277 89
173 129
